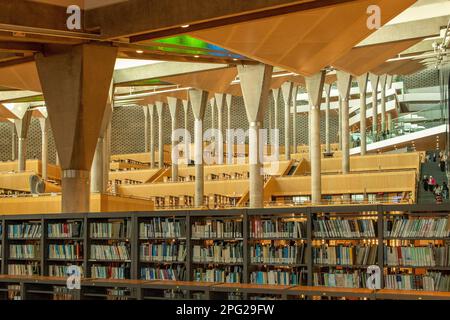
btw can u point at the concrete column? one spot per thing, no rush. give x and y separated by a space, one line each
374 79
314 87
22 126
327 89
151 112
199 100
228 99
146 128
160 110
275 95
220 100
362 84
344 83
294 119
383 80
99 181
340 122
286 89
57 159
389 122
186 128
44 148
255 84
13 142
76 81
173 108
212 103
309 132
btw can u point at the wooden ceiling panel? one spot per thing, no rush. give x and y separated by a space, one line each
303 42
364 59
21 76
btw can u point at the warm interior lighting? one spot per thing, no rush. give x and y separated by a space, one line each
139 51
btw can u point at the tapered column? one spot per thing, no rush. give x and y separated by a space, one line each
228 99
374 79
327 89
362 84
286 89
340 123
383 80
160 110
294 119
98 181
275 95
314 87
255 84
76 82
186 134
212 103
44 146
145 109
22 126
220 100
13 142
173 108
151 112
199 100
344 83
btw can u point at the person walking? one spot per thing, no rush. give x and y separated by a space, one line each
425 182
438 194
445 190
431 183
434 157
442 162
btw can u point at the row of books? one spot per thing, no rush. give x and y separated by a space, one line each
345 255
277 254
340 279
119 229
228 275
210 229
70 229
219 253
163 252
177 273
429 256
162 228
24 251
60 271
277 228
344 228
117 294
110 272
25 231
119 252
28 269
416 228
63 294
66 251
279 277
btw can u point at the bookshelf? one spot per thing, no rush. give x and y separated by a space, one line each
327 248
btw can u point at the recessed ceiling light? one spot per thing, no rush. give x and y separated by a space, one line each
139 51
196 56
235 59
185 26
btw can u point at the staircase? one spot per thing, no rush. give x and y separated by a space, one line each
430 168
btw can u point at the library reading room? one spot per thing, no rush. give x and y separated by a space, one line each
224 150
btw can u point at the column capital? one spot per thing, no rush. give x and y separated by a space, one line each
362 82
344 83
374 80
173 107
199 100
314 87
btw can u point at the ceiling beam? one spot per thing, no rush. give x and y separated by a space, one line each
161 70
20 47
155 19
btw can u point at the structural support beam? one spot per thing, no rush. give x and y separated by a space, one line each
173 108
383 82
294 119
275 95
13 141
22 126
76 84
212 103
160 110
220 101
186 133
314 87
374 79
327 89
255 84
199 100
344 83
362 84
151 112
286 89
145 109
44 122
230 148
